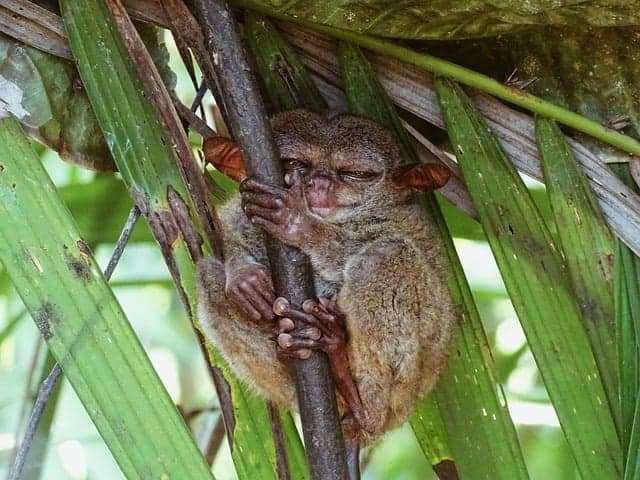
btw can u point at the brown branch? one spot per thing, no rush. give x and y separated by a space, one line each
161 101
282 464
291 272
215 441
195 122
34 26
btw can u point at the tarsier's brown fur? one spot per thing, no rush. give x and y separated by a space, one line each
378 255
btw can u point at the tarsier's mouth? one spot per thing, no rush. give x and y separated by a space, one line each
322 211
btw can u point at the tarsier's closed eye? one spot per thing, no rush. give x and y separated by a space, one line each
294 164
358 175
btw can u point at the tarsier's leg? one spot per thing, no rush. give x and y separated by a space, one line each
319 327
245 343
398 320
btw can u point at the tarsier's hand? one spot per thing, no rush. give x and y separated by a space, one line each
249 286
281 212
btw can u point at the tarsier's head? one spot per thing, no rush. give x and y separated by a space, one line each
347 165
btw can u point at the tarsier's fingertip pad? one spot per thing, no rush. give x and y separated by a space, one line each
308 306
423 176
285 325
280 306
284 340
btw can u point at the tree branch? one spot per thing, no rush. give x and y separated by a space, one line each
291 272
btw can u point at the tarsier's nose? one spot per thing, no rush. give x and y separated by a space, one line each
320 181
320 193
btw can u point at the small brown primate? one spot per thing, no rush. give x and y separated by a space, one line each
383 313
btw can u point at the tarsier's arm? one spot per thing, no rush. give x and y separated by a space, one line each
248 279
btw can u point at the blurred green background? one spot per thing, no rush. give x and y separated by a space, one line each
142 285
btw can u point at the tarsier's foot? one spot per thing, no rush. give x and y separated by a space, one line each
318 326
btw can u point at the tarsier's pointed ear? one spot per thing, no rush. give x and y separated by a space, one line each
225 155
422 176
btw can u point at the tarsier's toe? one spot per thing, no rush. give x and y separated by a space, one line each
281 306
285 325
291 346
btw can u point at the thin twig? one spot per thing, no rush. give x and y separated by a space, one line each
193 121
49 383
200 93
197 101
125 235
248 121
215 441
38 409
29 394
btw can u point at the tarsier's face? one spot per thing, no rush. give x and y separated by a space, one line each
343 164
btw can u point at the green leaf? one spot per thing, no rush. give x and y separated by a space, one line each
627 308
57 110
285 82
588 248
627 288
449 19
470 404
10 326
85 328
538 284
110 204
146 160
464 75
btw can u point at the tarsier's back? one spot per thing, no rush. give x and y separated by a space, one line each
383 314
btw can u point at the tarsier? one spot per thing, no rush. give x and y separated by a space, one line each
383 312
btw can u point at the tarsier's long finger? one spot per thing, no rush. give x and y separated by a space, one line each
272 215
318 310
282 308
240 300
328 303
256 299
285 325
262 200
328 322
267 225
291 343
253 185
285 355
265 288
